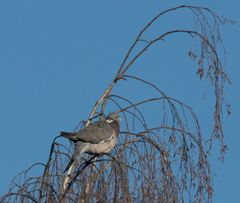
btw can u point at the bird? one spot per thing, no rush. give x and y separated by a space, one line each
97 138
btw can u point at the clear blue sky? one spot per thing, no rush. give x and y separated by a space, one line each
57 57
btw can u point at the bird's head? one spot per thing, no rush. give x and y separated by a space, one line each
113 117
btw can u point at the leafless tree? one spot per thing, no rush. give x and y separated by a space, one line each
164 162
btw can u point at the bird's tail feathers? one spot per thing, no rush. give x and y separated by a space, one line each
66 134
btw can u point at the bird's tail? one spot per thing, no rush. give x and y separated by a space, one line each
66 134
71 136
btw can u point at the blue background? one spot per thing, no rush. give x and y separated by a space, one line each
57 57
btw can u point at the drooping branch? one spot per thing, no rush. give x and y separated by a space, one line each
164 162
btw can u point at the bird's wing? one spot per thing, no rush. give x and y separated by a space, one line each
95 133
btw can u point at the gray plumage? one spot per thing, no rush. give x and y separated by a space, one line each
94 133
97 138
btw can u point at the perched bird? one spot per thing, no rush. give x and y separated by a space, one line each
97 138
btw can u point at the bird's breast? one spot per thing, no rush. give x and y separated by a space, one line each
103 147
115 125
